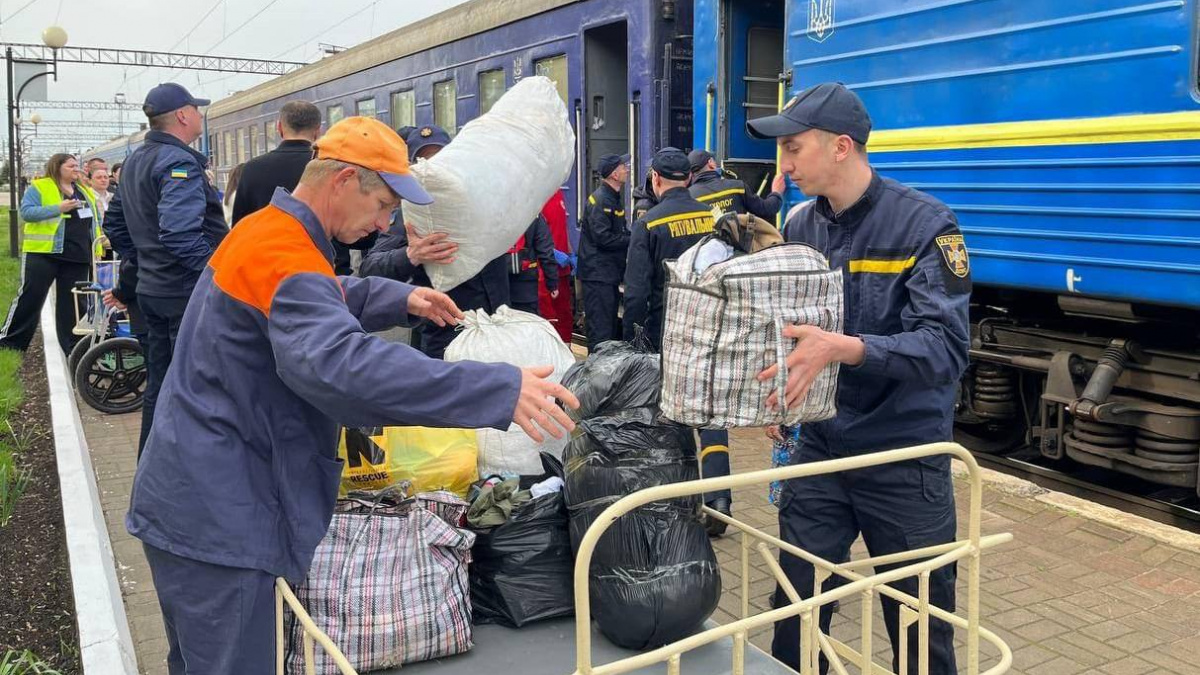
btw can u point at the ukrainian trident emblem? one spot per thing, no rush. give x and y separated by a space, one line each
820 19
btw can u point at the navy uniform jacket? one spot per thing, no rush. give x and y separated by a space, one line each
603 238
166 215
664 233
487 290
907 290
731 196
273 355
537 253
644 199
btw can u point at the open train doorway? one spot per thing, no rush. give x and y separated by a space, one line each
606 95
751 44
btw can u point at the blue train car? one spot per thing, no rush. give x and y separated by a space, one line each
1066 136
117 149
622 67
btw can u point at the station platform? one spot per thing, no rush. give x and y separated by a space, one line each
1081 589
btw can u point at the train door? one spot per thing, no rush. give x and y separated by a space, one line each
606 96
750 41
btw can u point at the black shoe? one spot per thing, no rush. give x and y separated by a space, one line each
716 527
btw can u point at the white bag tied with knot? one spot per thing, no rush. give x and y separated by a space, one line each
525 341
493 179
724 325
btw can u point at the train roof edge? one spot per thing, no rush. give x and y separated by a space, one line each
465 20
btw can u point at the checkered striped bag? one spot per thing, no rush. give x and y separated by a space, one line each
388 584
724 325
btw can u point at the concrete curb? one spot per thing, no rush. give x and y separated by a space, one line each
105 643
1019 487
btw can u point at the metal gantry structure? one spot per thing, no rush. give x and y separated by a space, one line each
55 51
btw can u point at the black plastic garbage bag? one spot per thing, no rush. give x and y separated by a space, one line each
617 376
653 576
522 571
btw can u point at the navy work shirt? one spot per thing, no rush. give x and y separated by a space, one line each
907 291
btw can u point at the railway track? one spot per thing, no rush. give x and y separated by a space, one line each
1172 506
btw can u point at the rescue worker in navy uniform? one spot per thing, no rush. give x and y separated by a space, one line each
907 285
644 198
711 186
603 247
533 251
668 229
400 254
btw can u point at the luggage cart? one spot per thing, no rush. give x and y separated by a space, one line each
107 364
547 649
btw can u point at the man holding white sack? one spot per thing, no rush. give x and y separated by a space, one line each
401 254
907 290
239 477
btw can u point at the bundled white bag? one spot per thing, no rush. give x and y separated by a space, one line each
492 181
523 340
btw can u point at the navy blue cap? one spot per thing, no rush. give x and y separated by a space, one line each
672 164
422 137
699 159
830 107
169 96
609 163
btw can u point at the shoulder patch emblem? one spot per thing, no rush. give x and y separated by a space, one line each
954 250
178 173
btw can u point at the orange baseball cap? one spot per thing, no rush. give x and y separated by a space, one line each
371 144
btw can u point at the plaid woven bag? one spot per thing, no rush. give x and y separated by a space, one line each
724 325
388 584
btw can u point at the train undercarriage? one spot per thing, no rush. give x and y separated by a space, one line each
1075 383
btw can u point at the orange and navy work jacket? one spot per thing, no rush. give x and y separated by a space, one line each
274 353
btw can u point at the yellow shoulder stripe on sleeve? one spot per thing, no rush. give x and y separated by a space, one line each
722 193
678 217
882 266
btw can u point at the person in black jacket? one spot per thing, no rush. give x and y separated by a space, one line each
603 246
401 253
299 124
535 249
712 187
644 198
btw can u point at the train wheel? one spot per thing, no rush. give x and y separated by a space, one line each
111 377
990 438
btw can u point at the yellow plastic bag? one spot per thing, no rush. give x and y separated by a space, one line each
432 459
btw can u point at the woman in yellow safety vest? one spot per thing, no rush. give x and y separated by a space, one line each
61 238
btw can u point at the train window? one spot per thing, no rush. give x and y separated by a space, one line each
212 149
491 88
255 151
227 157
243 145
404 109
333 115
445 106
365 107
555 68
764 61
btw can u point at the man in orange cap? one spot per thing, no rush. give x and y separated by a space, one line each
237 482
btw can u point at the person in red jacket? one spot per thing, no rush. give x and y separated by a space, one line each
559 310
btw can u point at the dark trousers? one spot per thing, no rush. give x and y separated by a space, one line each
162 316
600 317
40 271
523 293
219 620
896 507
714 460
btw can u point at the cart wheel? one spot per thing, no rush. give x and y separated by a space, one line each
111 377
77 353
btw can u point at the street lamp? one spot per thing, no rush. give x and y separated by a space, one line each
54 37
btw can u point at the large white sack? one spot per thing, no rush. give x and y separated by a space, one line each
523 340
492 181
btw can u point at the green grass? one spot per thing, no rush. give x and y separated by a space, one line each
13 479
24 663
